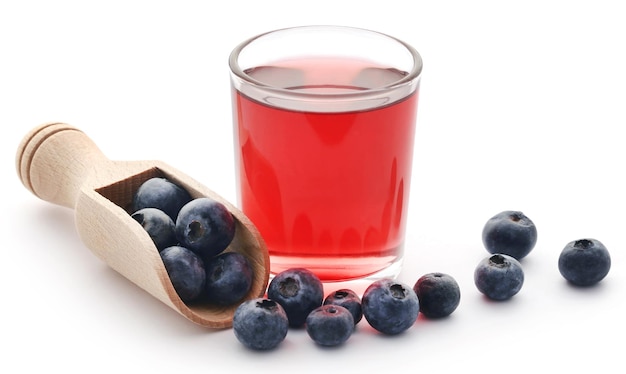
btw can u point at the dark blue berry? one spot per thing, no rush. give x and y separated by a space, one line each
347 299
205 226
329 325
438 293
499 276
260 324
162 194
299 291
584 262
228 278
186 271
158 225
390 307
510 233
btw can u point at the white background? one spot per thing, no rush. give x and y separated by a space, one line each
521 107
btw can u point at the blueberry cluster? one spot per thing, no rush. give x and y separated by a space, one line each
191 235
295 298
510 236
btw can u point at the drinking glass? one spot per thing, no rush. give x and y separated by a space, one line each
324 121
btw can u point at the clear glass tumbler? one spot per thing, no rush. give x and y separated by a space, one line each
324 122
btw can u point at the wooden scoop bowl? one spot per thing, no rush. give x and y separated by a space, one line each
60 164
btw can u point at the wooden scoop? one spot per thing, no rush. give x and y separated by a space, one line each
60 164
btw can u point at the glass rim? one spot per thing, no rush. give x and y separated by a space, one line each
408 79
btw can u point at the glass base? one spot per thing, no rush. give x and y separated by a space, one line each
335 275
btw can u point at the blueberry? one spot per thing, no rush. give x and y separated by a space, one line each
260 324
162 194
205 226
510 233
584 262
228 278
158 225
299 291
438 293
390 307
499 276
329 325
186 271
347 299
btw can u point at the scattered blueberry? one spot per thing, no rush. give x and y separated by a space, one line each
186 271
329 325
584 262
158 225
438 293
499 276
510 233
348 299
228 278
162 194
205 226
390 307
260 323
299 291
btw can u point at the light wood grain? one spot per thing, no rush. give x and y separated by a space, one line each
60 164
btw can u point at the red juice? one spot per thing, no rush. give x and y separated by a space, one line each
327 191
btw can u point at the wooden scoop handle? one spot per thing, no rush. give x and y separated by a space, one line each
55 160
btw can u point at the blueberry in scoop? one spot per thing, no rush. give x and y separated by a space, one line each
186 271
158 225
228 278
162 194
205 226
